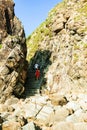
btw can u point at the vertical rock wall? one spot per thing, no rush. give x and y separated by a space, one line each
64 35
13 64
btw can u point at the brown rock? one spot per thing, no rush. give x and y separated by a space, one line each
58 100
11 126
13 64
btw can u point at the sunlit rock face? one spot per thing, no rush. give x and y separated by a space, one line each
13 64
64 36
58 100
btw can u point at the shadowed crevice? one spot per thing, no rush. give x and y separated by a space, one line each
33 86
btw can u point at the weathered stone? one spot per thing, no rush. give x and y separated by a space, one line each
29 126
44 113
11 101
10 109
80 126
13 52
22 120
59 101
4 70
11 126
73 105
63 126
3 108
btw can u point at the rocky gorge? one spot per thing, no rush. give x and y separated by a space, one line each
58 100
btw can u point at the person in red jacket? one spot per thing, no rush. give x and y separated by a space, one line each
37 74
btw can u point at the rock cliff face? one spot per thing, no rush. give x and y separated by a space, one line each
61 42
13 64
59 46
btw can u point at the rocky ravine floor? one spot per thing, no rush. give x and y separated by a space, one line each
44 112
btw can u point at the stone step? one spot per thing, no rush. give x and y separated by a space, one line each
32 90
32 85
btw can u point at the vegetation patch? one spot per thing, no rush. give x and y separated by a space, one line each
75 58
85 45
78 17
83 10
37 37
32 48
43 31
76 47
0 46
63 4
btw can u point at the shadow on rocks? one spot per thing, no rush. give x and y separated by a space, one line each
42 58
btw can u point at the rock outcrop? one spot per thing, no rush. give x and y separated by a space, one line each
62 47
13 64
59 46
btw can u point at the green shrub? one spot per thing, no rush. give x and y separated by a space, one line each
0 46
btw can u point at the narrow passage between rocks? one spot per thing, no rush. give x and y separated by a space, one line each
32 86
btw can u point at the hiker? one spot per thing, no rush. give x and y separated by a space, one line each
37 74
36 66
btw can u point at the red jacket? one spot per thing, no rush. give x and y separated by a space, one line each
37 73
